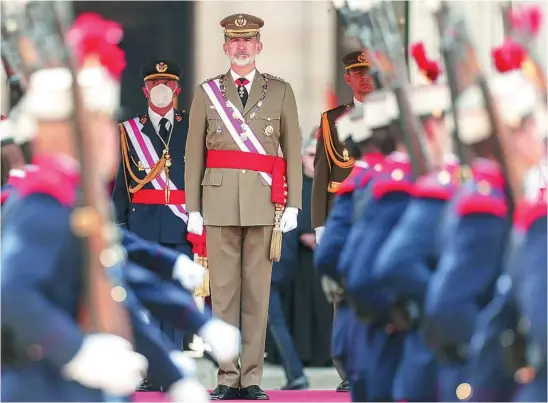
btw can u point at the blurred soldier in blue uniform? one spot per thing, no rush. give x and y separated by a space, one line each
369 138
478 212
334 160
53 360
407 258
148 195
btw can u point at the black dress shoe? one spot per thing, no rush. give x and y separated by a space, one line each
253 392
296 384
146 386
223 392
343 386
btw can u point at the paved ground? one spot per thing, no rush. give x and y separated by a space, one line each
273 376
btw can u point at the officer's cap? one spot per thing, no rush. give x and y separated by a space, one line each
241 25
355 60
161 69
380 108
430 100
514 97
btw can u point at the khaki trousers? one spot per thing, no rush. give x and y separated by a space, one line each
240 271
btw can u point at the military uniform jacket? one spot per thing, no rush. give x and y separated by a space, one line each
153 222
332 166
238 197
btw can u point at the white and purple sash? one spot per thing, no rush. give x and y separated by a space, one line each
231 117
146 153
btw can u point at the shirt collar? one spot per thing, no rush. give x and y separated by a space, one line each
155 118
250 77
356 102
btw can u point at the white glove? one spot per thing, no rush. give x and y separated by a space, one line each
188 391
289 219
332 290
185 364
195 223
107 362
224 339
353 125
319 233
189 274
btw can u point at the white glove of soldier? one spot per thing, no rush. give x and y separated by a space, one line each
189 274
224 339
188 390
186 365
319 233
107 362
332 290
195 223
352 125
289 219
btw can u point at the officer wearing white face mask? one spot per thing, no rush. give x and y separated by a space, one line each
149 193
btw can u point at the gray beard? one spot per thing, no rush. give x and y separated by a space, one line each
242 62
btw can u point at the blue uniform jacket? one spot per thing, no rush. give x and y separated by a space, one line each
153 222
471 260
389 195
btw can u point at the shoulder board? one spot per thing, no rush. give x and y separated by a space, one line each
51 182
481 202
395 178
528 212
212 78
350 183
179 115
435 185
270 76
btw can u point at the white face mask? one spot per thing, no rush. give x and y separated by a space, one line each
161 95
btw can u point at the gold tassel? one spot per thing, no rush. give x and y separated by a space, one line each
203 291
276 242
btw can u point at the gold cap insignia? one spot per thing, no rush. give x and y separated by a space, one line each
362 58
161 67
240 21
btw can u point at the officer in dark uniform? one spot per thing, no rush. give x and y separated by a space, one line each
334 159
148 195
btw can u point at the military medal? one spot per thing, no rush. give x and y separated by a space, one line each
269 130
243 136
141 167
345 155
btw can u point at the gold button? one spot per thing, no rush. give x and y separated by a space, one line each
397 174
244 171
444 177
133 209
377 167
484 188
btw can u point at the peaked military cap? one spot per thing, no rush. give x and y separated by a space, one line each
241 25
161 69
355 60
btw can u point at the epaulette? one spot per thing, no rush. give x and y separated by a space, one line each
50 180
269 76
439 184
350 183
343 106
396 177
528 212
212 78
483 199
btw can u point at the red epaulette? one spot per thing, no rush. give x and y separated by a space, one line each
439 184
487 196
4 196
395 177
52 180
528 212
350 183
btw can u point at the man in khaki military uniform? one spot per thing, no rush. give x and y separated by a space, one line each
241 122
334 161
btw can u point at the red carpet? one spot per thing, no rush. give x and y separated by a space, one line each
275 396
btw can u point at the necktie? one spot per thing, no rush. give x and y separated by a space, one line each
242 91
164 133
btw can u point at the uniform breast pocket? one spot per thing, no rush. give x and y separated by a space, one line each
215 131
267 127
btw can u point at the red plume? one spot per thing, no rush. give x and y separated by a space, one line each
509 56
92 37
428 67
526 19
